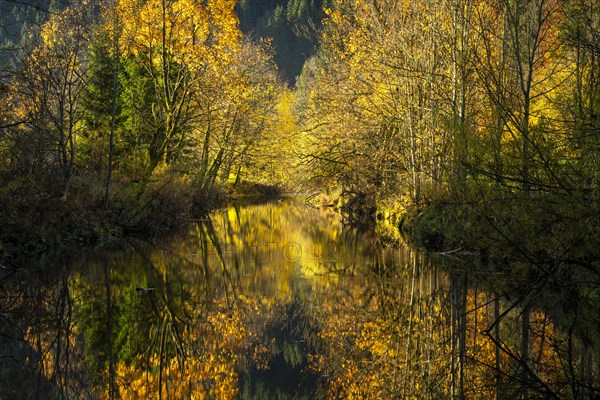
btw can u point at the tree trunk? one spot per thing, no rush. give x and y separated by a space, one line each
113 116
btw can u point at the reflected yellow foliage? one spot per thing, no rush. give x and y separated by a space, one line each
225 310
217 350
405 347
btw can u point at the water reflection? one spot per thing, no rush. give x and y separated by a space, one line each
281 301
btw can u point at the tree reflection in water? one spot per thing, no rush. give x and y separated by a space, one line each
283 301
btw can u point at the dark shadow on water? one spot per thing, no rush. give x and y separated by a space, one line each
290 338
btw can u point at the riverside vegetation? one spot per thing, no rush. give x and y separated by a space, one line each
471 125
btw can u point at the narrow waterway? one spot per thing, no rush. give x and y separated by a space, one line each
281 301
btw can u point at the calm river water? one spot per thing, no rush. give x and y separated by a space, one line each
280 301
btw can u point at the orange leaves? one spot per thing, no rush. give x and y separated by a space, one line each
412 349
207 377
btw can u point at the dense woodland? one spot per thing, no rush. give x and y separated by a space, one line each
126 115
472 126
476 120
481 117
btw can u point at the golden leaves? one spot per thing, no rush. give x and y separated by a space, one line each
411 350
188 30
218 347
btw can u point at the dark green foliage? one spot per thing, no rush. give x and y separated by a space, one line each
16 19
134 324
98 105
93 316
98 91
130 317
136 98
290 25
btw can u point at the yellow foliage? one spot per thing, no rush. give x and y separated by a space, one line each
218 348
193 32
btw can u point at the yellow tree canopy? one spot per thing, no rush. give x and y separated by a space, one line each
190 31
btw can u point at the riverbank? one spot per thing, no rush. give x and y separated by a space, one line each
522 243
525 247
35 222
537 229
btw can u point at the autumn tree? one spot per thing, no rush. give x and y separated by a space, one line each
376 98
48 90
237 122
409 102
189 44
461 42
581 101
521 65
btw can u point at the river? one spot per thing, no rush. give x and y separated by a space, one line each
281 301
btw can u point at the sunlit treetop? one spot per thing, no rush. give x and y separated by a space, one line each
189 31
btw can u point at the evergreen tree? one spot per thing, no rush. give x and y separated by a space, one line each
291 26
98 104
